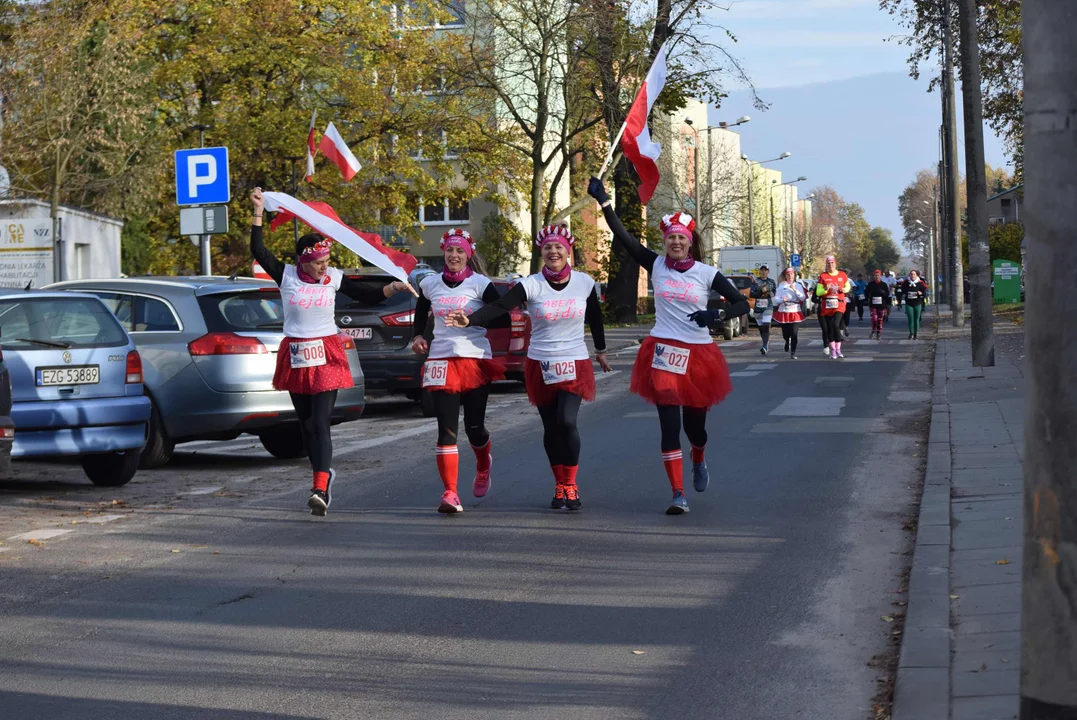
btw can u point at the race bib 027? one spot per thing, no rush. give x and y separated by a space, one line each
670 358
558 371
435 373
307 354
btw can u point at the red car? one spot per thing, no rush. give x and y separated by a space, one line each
512 345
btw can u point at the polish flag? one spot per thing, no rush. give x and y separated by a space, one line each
312 148
335 149
321 217
259 272
636 143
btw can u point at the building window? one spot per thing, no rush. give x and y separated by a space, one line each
447 211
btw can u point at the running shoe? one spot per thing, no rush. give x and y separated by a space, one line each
840 356
763 350
450 503
572 498
319 501
678 505
482 481
793 357
558 502
701 477
910 336
826 350
915 336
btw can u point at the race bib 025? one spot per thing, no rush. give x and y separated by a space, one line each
307 354
435 373
670 358
558 371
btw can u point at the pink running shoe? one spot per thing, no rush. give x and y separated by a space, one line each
481 486
450 503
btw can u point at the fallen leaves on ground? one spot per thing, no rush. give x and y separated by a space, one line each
887 618
638 652
1004 561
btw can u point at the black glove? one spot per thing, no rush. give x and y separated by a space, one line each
703 318
597 190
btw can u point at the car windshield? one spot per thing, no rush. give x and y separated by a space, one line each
243 311
399 302
38 323
741 282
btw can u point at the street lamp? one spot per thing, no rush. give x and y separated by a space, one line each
775 183
751 212
720 126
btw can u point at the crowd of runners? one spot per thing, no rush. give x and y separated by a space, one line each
678 368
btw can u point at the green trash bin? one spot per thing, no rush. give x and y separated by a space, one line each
1007 277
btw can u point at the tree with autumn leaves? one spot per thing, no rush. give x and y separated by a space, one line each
137 76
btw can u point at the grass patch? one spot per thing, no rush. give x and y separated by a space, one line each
1014 312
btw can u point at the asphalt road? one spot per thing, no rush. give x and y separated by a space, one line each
205 589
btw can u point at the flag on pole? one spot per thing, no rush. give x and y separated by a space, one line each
312 148
321 217
335 149
636 142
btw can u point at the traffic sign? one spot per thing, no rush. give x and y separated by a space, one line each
202 176
794 260
212 220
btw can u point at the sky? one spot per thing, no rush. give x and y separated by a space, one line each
842 101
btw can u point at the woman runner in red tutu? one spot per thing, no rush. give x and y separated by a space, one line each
460 365
311 364
558 373
679 368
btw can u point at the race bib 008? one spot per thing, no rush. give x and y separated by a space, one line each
435 373
558 371
669 358
307 354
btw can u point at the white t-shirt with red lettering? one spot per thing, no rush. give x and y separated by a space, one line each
557 317
468 342
310 309
676 296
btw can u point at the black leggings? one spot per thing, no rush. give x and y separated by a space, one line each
447 407
561 436
860 309
822 326
695 426
314 412
831 327
848 314
764 333
789 334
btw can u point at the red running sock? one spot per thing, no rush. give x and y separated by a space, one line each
482 456
321 481
674 462
448 464
698 454
568 476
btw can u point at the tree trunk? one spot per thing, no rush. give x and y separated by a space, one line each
538 183
953 209
622 292
983 343
1049 612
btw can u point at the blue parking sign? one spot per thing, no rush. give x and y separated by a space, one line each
202 176
794 260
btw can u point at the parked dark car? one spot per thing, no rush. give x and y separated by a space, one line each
7 427
513 345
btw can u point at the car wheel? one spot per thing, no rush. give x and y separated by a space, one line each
159 446
111 469
283 442
727 330
426 402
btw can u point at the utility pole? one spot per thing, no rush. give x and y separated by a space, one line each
295 191
205 265
953 210
751 203
1049 597
773 241
983 339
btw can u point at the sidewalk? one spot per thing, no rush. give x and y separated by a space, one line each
960 654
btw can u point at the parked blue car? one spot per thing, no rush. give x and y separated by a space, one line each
76 382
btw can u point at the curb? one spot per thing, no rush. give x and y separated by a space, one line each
922 685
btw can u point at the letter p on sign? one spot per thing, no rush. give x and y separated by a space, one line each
202 176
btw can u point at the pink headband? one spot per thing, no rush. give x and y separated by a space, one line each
317 251
789 270
678 223
831 257
557 234
458 239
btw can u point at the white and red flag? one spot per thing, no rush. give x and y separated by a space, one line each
321 217
312 148
334 148
636 142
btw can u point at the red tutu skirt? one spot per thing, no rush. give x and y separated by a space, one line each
705 383
466 374
788 318
334 375
539 393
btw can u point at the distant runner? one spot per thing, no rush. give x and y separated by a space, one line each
877 293
915 293
763 291
789 312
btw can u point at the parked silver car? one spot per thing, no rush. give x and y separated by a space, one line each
209 350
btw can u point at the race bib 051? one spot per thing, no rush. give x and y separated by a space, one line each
435 373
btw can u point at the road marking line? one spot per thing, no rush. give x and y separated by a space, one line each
43 534
909 396
763 366
833 378
810 407
426 427
859 359
203 491
640 415
805 425
610 374
745 373
100 519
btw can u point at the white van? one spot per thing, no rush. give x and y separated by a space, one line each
746 259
